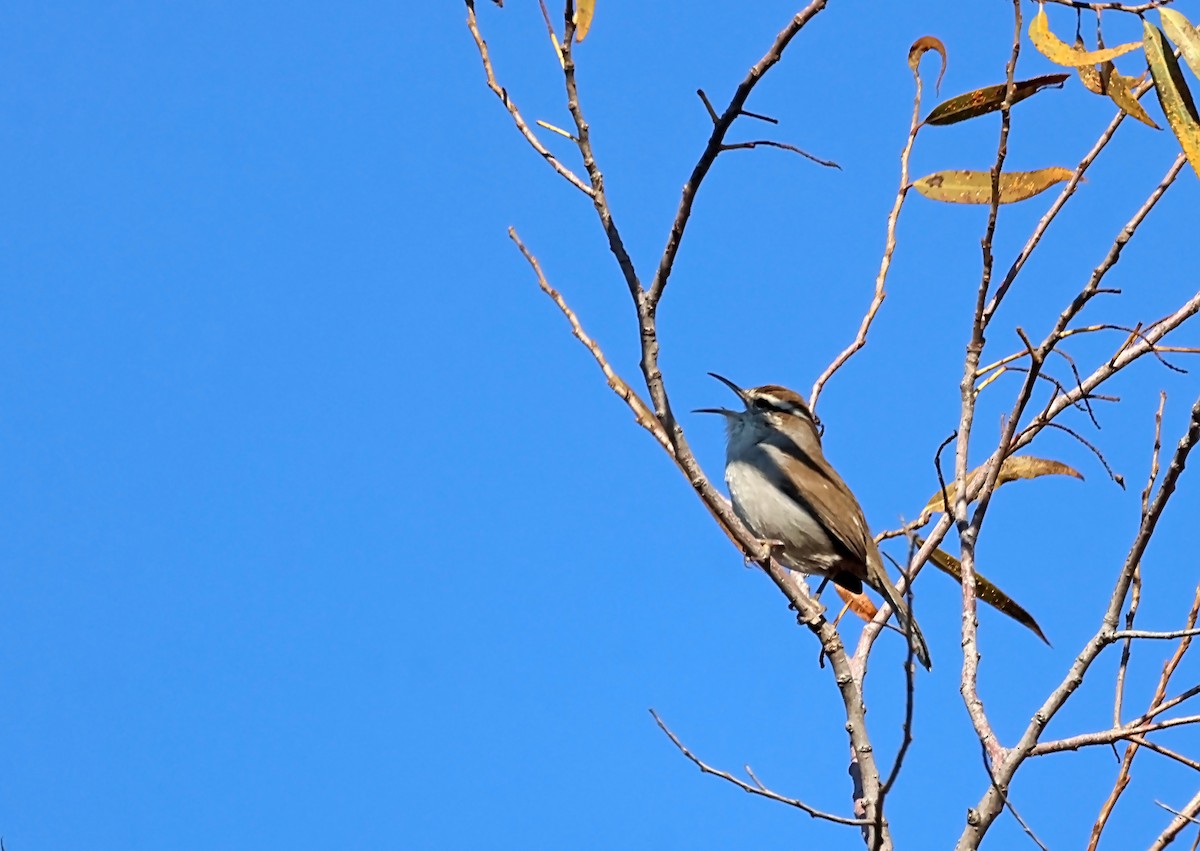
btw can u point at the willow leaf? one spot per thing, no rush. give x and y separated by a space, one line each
987 591
1014 467
1061 53
1173 94
988 99
975 187
584 9
1180 30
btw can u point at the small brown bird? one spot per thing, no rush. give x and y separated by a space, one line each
784 490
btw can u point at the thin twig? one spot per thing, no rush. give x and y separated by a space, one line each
717 138
885 263
1167 752
968 528
1143 633
735 146
1183 817
501 93
644 416
1120 480
989 806
757 788
1111 7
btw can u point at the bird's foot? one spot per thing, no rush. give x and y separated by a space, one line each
774 548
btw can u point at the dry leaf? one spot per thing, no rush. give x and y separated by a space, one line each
1014 467
987 591
1120 89
988 99
1088 74
922 46
583 17
1173 94
975 187
1061 53
1180 30
859 603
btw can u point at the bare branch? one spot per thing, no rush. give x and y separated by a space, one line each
736 146
1182 819
644 416
584 141
757 788
1064 195
501 93
968 530
1142 633
989 806
889 248
717 139
1111 7
1167 752
1107 737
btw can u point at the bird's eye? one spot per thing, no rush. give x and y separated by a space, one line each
764 404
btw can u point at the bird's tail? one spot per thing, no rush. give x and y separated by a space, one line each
905 620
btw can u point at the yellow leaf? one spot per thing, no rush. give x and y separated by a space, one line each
1014 467
1088 74
1061 53
922 46
1180 30
1119 89
1173 94
988 99
987 591
583 17
975 187
859 603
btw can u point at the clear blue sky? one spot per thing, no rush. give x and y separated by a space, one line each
319 530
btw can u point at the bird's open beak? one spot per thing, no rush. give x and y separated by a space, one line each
741 394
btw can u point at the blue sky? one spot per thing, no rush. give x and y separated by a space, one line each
320 529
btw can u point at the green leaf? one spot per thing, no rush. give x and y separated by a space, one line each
1173 94
1180 30
988 99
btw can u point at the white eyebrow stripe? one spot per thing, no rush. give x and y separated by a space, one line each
787 406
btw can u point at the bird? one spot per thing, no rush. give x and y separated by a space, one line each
790 497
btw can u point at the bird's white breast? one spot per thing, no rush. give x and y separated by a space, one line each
773 515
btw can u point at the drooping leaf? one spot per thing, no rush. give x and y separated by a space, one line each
922 46
988 99
1014 467
1173 94
1061 53
975 187
859 603
988 592
584 9
1119 88
1180 30
1088 74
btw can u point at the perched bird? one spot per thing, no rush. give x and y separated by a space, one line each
785 491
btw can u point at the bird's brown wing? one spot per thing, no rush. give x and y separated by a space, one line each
831 503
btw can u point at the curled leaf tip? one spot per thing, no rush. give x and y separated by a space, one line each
922 46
